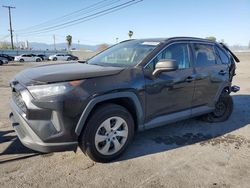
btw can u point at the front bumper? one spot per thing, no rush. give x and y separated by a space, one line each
30 139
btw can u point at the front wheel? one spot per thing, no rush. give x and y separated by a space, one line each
223 109
54 59
108 133
38 60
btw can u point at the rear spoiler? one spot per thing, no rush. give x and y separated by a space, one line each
231 53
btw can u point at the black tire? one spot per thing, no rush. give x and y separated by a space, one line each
223 109
87 138
54 59
38 60
68 59
1 63
21 60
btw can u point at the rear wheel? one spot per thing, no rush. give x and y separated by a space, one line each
108 133
21 60
1 63
68 59
38 60
223 109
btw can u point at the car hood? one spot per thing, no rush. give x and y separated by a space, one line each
63 72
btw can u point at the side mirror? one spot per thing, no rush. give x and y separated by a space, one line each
165 65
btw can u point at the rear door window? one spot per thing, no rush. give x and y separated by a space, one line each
204 54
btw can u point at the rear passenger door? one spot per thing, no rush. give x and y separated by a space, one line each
210 74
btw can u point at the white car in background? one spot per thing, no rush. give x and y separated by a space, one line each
62 57
27 57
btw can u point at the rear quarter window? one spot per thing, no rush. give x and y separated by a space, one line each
223 56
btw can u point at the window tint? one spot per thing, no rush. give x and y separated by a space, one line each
204 54
177 52
224 58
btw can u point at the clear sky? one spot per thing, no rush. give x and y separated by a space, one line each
225 19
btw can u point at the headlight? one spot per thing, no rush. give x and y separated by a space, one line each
41 91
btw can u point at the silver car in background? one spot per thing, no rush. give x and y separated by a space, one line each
62 57
3 60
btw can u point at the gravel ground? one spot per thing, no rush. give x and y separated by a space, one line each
189 153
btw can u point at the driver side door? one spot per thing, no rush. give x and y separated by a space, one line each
171 92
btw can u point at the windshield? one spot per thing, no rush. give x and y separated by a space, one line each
128 53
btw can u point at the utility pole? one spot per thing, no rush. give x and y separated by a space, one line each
54 38
11 31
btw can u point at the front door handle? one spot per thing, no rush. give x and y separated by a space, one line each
222 72
190 79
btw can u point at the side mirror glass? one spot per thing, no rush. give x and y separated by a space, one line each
165 65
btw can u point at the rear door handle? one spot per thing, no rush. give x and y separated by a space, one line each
223 72
190 79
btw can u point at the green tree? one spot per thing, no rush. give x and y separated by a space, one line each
69 41
222 40
213 38
130 34
6 45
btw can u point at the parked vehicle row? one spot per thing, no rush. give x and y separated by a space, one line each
36 57
42 57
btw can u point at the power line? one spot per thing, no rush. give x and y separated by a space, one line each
11 31
94 7
86 18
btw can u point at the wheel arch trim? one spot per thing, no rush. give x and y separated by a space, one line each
224 86
93 102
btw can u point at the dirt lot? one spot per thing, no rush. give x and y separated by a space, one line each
190 153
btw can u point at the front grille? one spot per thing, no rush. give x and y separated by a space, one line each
19 101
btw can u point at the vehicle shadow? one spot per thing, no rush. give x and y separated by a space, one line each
15 150
191 131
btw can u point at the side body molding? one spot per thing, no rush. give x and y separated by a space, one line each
94 101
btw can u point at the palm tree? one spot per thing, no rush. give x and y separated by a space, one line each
69 41
130 33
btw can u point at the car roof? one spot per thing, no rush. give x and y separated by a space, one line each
163 40
190 39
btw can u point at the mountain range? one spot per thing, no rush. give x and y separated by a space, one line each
60 46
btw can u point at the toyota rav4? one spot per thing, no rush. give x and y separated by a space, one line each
135 85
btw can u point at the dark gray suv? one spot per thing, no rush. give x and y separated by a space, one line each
132 86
